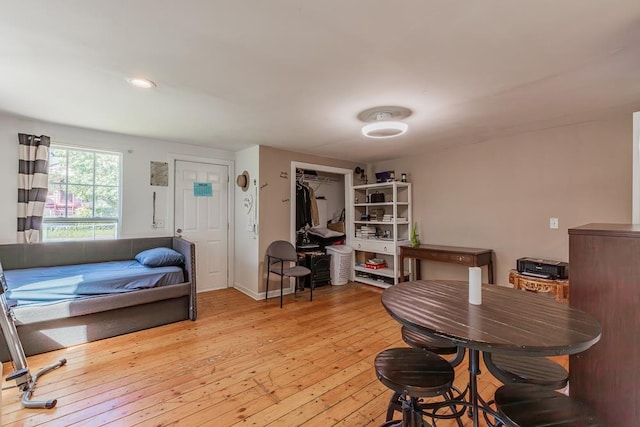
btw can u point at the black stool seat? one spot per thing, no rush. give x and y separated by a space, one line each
414 372
524 369
439 346
528 405
417 340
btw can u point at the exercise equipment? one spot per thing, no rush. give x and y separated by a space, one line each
23 378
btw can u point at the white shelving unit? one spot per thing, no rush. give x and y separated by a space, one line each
378 228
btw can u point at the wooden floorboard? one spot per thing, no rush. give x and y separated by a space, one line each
243 362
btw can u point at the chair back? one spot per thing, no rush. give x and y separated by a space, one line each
283 250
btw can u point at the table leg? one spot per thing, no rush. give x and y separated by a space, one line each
401 269
418 276
490 266
474 370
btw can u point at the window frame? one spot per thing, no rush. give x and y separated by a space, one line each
93 220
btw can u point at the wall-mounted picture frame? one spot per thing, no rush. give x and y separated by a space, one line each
159 172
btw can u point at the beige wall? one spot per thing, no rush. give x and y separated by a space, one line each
501 193
274 215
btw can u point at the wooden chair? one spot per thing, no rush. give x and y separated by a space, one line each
528 405
280 254
414 374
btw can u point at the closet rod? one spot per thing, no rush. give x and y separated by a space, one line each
315 178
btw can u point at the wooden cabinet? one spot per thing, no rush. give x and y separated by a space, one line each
381 222
558 288
605 281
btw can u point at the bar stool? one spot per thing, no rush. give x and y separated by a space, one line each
537 371
414 374
528 370
507 369
438 346
528 405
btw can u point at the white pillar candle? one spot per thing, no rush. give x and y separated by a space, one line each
475 285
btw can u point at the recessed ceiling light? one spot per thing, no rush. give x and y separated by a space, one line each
141 82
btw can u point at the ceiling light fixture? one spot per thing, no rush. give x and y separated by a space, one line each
141 82
384 122
384 128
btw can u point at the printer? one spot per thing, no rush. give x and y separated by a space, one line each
543 268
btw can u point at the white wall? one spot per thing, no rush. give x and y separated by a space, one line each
137 155
246 224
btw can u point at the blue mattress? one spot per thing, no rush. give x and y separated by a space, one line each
51 284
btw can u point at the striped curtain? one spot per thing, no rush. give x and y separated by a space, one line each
33 170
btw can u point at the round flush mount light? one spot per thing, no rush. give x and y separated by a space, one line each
384 129
384 122
141 82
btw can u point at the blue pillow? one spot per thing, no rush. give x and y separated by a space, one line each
160 257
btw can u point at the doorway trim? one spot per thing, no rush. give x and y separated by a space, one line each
348 202
173 158
635 185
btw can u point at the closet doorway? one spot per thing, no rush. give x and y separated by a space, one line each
327 206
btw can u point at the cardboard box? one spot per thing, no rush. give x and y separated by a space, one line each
363 256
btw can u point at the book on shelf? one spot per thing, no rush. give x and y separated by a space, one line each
375 263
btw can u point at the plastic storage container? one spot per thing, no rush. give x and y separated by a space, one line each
341 263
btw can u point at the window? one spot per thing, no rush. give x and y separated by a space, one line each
83 201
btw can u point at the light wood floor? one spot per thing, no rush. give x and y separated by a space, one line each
242 362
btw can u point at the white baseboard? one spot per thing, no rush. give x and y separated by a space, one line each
260 295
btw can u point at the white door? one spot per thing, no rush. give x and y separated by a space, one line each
201 215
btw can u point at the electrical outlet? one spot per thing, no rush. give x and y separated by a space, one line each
553 223
160 223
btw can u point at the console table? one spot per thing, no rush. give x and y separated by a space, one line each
469 257
558 288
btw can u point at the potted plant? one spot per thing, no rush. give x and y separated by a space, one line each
415 241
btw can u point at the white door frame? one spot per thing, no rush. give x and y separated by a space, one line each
348 205
173 158
635 185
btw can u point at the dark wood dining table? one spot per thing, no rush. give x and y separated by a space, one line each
509 321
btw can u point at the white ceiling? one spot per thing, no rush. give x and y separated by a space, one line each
295 74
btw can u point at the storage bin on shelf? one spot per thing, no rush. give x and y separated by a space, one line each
340 263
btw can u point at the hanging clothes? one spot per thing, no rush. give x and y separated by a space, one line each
315 216
303 206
